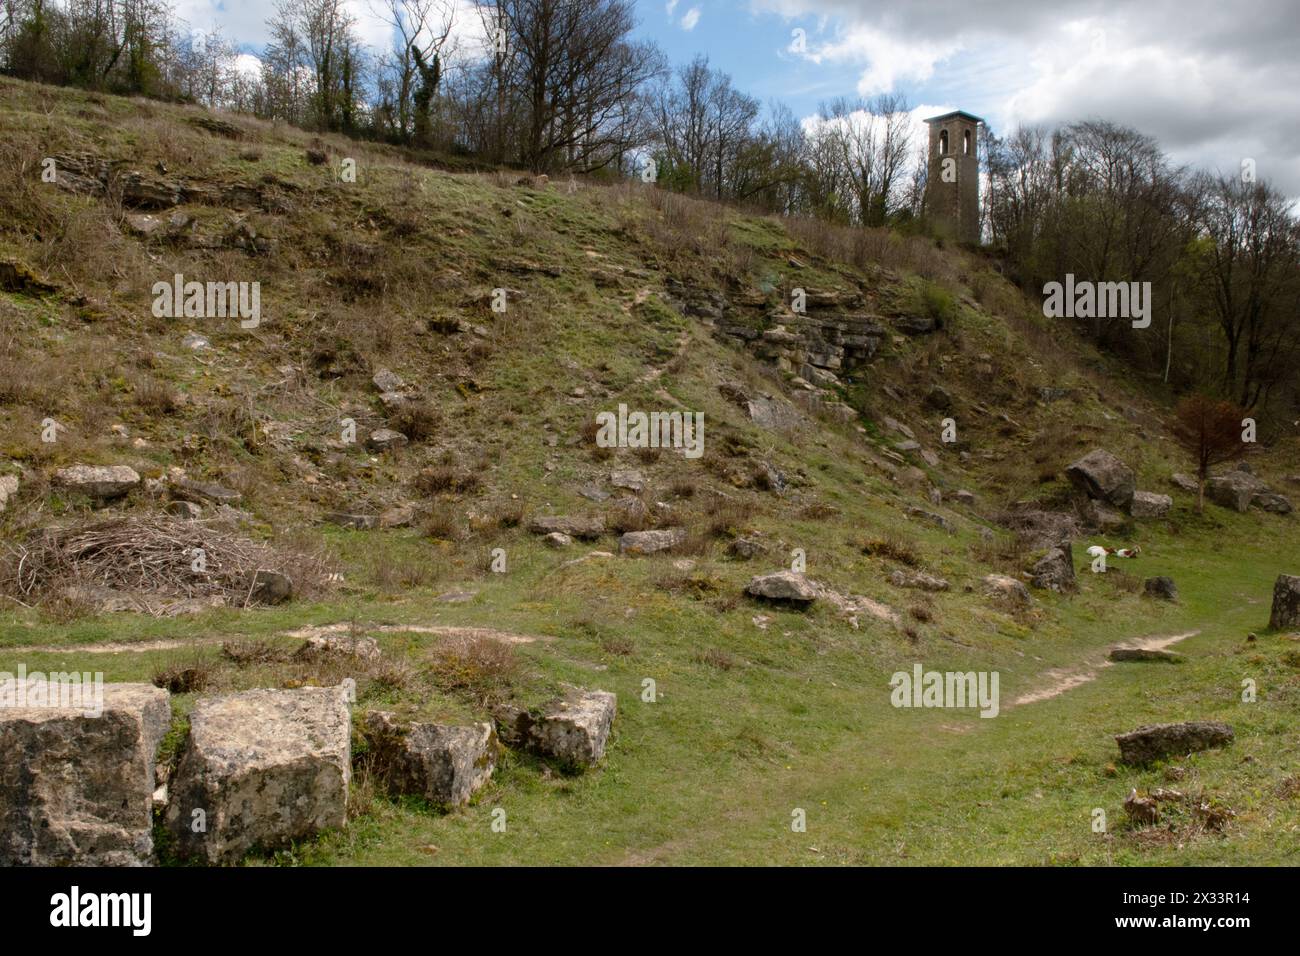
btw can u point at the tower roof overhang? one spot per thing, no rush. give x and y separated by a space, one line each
955 114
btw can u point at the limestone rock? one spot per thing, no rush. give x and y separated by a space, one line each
444 764
573 730
1271 501
102 482
1156 741
1185 482
264 767
1102 476
1234 489
783 586
383 439
1054 571
584 527
918 580
321 646
386 380
78 789
8 488
649 542
557 540
630 479
1148 504
1102 516
746 548
187 489
1007 588
355 522
1286 602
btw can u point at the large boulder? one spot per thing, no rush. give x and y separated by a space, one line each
1054 571
1156 741
573 730
1234 489
445 765
584 527
649 542
261 768
1101 475
1148 504
1286 602
786 587
102 482
1102 517
77 787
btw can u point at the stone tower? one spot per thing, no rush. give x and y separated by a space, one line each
952 188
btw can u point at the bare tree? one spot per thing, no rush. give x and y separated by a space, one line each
1209 430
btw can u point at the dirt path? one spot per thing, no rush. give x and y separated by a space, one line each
1061 679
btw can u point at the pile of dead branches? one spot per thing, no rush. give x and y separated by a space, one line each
154 554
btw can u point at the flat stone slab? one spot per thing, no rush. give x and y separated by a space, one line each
261 768
585 527
76 789
573 729
650 542
782 586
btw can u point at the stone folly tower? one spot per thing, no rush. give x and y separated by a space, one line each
952 187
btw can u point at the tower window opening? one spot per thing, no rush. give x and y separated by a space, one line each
943 141
965 143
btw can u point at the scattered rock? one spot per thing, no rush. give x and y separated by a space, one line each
918 580
184 509
1101 475
649 542
388 381
1143 811
1234 489
1144 655
583 527
446 765
1054 571
101 482
1160 587
1156 741
322 646
1148 504
8 488
785 587
270 587
1272 502
186 489
264 767
77 787
1185 482
632 480
966 498
746 548
355 522
1286 602
932 517
572 730
557 540
1001 586
382 439
400 516
1102 517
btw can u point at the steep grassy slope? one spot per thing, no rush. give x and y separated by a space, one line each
759 710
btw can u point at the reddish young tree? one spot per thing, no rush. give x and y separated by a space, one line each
1210 430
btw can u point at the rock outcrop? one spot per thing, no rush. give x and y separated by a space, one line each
572 730
1054 571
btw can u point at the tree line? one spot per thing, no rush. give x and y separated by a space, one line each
563 86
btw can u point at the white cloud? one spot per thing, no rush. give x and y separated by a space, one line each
672 5
690 18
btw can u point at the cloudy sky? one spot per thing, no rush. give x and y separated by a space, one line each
1214 82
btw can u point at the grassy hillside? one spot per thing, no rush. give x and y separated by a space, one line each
759 710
